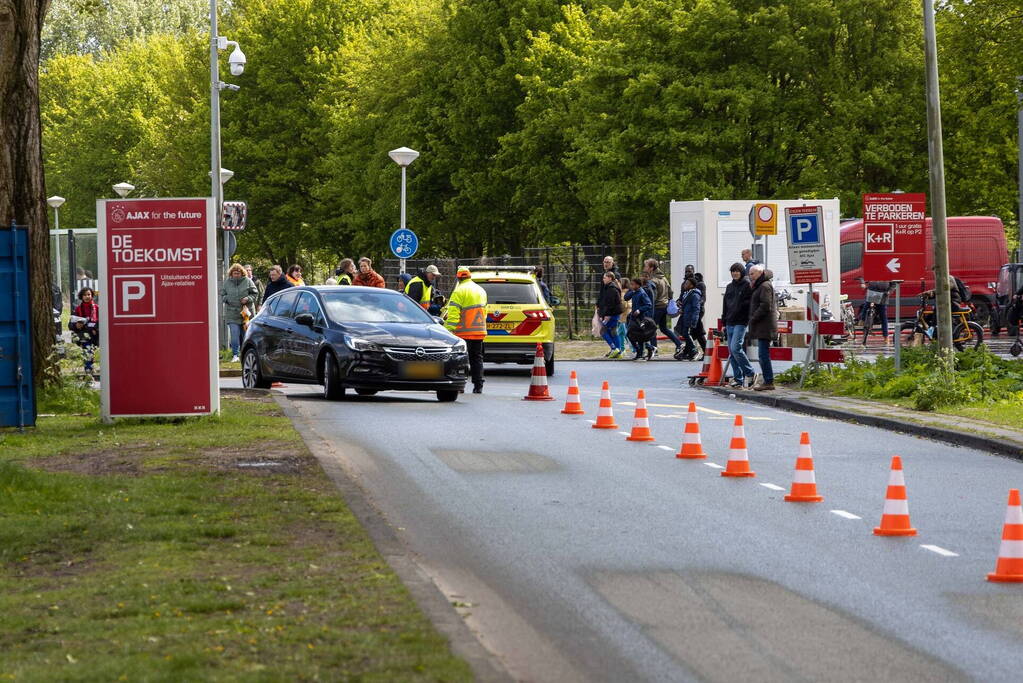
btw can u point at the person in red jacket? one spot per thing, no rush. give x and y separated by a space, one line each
368 277
84 325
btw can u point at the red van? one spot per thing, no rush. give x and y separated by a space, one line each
976 251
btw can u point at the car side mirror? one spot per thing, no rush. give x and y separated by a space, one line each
439 320
305 319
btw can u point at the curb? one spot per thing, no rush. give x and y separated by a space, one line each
428 597
965 439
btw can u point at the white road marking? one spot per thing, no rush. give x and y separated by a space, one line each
625 433
847 515
666 448
773 487
592 422
714 465
939 550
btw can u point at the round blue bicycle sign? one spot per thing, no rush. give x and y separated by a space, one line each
404 243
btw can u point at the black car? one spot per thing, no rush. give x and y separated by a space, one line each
365 338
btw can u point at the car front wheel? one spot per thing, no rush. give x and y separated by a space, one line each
252 375
333 390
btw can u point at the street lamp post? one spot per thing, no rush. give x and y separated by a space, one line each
1019 165
403 156
55 203
123 189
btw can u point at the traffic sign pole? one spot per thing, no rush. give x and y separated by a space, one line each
401 267
898 326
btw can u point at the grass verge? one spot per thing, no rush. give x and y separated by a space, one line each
983 387
202 549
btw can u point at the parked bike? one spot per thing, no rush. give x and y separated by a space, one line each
965 332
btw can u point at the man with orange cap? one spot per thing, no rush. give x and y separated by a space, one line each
467 319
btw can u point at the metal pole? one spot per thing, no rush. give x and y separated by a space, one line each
898 326
56 228
936 168
72 266
402 265
1019 165
216 189
19 371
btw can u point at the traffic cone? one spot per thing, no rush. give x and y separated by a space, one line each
715 371
1009 568
278 385
538 382
895 518
605 416
573 406
691 448
804 485
738 457
641 421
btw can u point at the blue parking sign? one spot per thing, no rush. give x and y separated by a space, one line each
404 243
804 229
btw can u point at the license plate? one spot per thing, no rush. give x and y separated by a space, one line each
502 326
422 370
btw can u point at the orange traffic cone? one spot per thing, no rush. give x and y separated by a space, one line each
1009 568
573 406
715 372
641 421
804 485
538 383
278 385
895 518
605 416
738 457
691 448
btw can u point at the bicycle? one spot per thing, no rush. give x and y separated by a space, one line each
965 332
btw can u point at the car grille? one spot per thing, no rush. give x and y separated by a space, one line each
403 353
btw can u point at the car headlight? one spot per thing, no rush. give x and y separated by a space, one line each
459 347
356 344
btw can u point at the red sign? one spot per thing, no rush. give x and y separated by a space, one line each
894 237
158 318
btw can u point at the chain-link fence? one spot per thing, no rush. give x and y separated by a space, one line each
572 272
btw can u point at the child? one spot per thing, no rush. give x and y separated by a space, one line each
623 328
84 325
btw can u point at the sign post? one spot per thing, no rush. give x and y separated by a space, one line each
159 323
894 240
808 265
404 245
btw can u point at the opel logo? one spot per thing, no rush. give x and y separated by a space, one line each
420 352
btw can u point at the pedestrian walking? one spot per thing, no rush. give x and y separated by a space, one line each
84 326
609 310
368 277
259 289
735 316
467 319
623 327
420 287
877 293
662 295
295 275
641 327
544 289
237 293
763 322
278 281
689 305
345 272
747 260
609 264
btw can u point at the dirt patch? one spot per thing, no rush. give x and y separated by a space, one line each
273 457
49 564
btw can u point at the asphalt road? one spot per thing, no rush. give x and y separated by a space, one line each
576 555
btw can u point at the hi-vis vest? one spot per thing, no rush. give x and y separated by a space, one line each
344 279
427 295
467 311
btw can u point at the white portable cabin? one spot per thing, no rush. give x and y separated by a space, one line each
710 235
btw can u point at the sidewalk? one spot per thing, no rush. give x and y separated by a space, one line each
951 429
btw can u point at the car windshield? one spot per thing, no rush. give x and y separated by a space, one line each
509 292
371 307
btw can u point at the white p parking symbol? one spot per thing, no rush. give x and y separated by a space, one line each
135 296
803 226
131 290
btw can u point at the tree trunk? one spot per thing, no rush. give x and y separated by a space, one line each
22 189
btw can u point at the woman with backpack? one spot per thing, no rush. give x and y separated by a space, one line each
641 326
609 310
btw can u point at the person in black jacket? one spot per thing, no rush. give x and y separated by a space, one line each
277 282
735 316
609 308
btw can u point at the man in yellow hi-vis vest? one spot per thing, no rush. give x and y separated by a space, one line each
420 288
467 318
